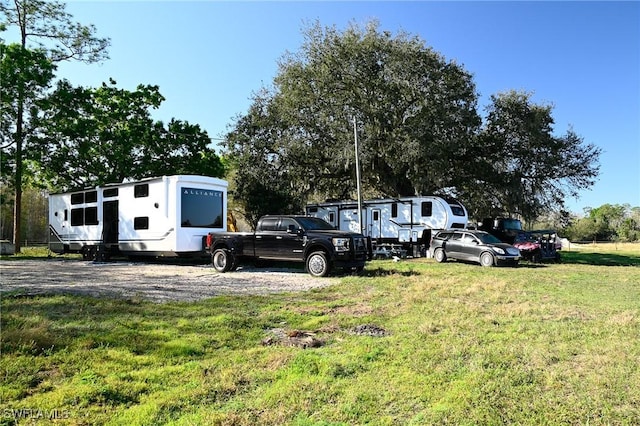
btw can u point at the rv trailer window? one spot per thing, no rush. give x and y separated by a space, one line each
91 216
111 192
202 208
141 222
77 198
427 208
91 197
457 210
394 210
140 191
77 217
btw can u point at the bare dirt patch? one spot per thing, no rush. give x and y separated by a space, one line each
150 281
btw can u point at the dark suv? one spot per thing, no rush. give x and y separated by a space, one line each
474 246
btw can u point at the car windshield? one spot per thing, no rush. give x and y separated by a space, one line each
314 223
488 239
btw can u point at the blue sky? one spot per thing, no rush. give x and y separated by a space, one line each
208 57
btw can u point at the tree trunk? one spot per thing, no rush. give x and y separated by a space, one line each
17 208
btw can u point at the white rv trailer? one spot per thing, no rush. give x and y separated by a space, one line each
407 221
161 216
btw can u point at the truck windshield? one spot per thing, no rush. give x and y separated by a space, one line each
512 224
311 223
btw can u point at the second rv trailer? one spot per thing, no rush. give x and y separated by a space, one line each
408 221
163 216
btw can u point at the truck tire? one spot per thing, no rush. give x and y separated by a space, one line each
439 255
222 260
317 264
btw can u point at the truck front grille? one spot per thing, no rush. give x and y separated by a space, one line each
360 244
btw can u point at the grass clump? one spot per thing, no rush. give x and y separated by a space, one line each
413 342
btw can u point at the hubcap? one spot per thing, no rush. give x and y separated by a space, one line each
220 260
316 265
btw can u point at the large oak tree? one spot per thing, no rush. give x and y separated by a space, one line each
418 126
415 113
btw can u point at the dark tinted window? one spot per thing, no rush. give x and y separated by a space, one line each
91 197
286 222
394 210
456 210
91 216
427 208
443 235
512 224
269 224
141 222
141 190
77 198
201 208
111 192
77 217
310 223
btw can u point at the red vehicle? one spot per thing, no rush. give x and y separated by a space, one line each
538 246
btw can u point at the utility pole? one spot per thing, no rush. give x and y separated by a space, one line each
355 136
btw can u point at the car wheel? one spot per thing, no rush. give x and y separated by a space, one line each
222 260
317 264
486 259
440 255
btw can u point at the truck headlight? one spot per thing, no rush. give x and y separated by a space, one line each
341 244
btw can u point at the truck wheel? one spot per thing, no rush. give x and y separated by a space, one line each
486 259
317 264
222 260
440 255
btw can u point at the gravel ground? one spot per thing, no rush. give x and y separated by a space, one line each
151 281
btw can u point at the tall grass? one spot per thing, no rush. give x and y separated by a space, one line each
540 344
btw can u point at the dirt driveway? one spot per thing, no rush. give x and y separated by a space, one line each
151 281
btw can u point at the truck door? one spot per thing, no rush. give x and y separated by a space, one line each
265 238
289 241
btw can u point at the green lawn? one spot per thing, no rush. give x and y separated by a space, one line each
464 345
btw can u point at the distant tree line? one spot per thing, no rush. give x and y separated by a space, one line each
609 222
415 114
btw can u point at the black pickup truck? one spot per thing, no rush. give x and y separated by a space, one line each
294 239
